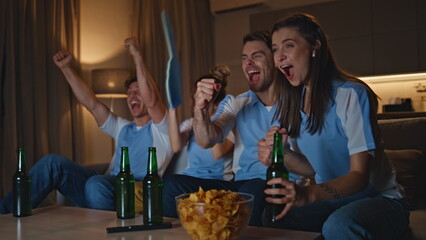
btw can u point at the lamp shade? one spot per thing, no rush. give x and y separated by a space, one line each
109 82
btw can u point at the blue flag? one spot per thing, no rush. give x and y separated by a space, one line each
173 72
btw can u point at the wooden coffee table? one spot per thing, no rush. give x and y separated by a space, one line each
63 223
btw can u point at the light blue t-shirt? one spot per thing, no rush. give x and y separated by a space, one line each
250 119
138 140
347 130
201 162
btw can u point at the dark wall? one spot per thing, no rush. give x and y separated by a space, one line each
367 37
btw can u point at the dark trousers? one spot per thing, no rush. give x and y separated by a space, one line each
176 184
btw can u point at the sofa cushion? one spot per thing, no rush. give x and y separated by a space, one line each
409 166
406 133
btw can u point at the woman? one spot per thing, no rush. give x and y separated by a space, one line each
213 163
329 119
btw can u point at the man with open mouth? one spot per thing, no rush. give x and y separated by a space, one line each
249 115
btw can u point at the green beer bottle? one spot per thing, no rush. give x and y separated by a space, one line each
21 187
152 192
276 170
125 185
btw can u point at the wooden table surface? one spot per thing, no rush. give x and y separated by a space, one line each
63 223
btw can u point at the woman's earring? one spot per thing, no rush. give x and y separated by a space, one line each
313 54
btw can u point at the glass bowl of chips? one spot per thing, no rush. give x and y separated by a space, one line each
214 214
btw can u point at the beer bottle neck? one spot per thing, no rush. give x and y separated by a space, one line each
152 161
278 150
125 162
22 165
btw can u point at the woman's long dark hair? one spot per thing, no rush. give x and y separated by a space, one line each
323 71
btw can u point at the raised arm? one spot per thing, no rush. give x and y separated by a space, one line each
148 88
206 133
177 139
220 150
81 90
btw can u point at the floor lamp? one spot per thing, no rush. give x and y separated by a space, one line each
109 83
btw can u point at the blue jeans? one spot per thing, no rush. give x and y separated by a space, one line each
54 172
175 185
100 192
348 218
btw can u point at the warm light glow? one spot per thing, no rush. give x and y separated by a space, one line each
394 77
392 88
112 95
95 56
111 84
104 26
108 82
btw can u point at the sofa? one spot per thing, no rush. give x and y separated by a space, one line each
405 146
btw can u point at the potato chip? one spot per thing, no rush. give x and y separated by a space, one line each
214 214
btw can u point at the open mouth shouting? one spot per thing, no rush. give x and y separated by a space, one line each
254 76
288 71
135 105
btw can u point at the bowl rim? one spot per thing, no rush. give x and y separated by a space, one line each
247 198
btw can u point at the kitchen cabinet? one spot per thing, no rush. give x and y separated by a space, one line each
367 37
